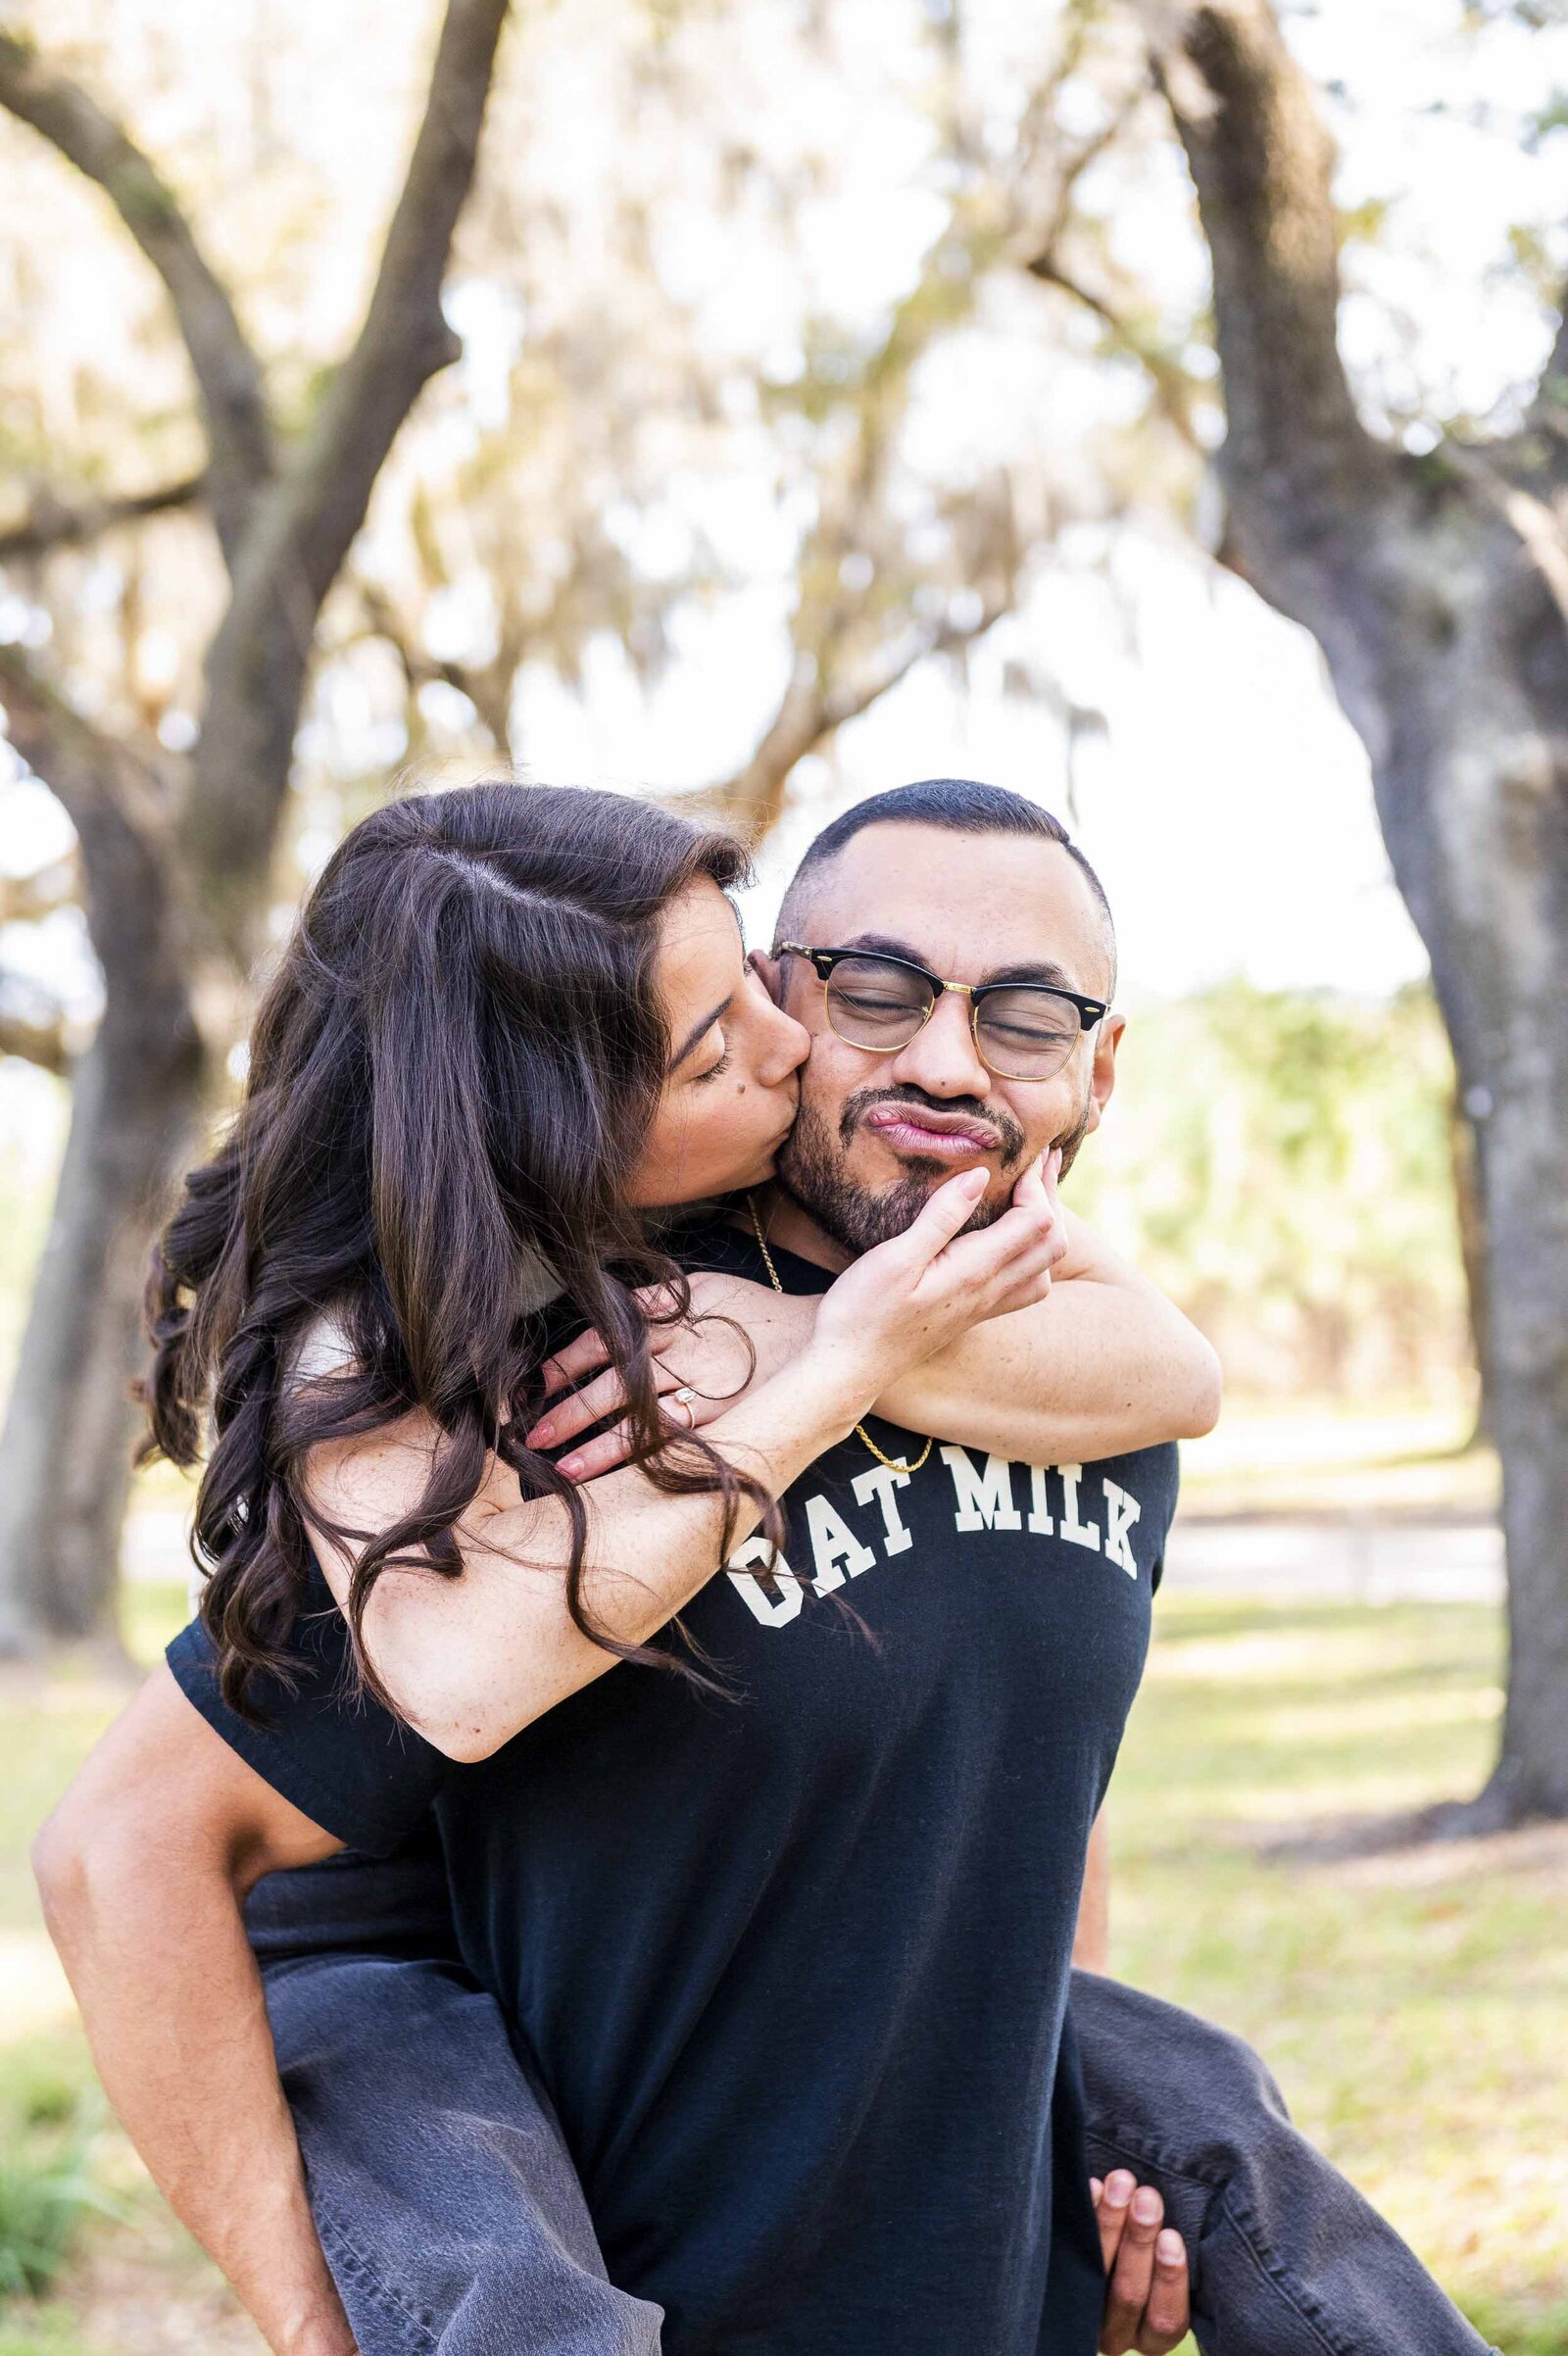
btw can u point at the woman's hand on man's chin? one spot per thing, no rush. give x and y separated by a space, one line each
901 1303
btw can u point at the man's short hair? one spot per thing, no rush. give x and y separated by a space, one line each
962 806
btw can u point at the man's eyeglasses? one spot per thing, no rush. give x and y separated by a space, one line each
1022 1030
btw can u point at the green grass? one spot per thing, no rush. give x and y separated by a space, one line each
46 2180
1302 1455
1414 2005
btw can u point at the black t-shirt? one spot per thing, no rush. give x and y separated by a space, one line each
794 1965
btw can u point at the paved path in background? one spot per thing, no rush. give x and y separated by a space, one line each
1339 1558
1336 1558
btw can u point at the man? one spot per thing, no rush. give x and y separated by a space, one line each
754 2162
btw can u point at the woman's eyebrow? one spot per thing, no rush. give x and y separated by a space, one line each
700 1032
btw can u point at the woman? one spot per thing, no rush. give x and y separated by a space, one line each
511 1025
510 1022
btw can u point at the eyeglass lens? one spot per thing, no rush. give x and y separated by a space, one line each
1023 1034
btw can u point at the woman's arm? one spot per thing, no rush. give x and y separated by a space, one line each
141 1869
472 1661
1103 1364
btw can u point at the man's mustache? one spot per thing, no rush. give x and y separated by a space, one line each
1009 1132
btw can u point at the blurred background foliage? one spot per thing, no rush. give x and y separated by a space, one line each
1282 1163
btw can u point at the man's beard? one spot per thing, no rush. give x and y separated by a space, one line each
812 1168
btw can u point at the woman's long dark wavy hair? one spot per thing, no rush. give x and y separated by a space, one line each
451 1076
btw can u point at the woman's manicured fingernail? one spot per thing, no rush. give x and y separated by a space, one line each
571 1467
542 1434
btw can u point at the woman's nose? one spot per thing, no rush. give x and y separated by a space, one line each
788 1046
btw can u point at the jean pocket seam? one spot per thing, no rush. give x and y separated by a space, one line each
1134 2151
1240 2218
341 2246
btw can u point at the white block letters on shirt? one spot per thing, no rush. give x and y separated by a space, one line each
1075 1532
1121 1511
880 1483
835 1548
984 1500
781 1600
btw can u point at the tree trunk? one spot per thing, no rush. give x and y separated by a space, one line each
1451 655
66 1451
1526 1160
1470 1212
173 914
1438 589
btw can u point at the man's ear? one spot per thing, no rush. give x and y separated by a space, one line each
770 973
1103 1080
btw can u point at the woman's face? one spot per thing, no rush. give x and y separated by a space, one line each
729 1096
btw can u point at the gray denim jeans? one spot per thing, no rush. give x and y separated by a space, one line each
455 2226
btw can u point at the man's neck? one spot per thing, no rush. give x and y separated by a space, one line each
792 1229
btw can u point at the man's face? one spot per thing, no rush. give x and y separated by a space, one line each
877 1133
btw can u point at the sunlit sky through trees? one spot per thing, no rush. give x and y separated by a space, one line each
1212 778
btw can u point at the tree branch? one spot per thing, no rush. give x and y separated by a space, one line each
1175 392
307 523
405 339
1550 402
37 1037
25 898
121 808
809 712
53 521
1261 163
227 373
1071 170
487 686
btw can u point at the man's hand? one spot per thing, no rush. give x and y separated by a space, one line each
1148 2296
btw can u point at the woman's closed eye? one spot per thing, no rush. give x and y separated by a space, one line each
714 1070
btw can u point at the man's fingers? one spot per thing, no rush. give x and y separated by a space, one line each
1111 2209
1133 2275
1168 2315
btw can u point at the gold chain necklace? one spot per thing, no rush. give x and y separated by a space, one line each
861 1432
